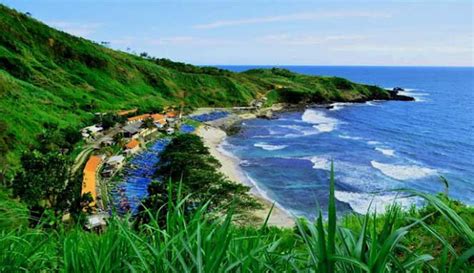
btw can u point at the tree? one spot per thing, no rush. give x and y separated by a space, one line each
108 121
54 138
43 181
148 123
186 160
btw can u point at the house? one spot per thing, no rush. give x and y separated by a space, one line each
89 182
159 120
132 130
160 124
137 118
171 115
132 146
127 112
107 141
170 131
91 131
146 132
113 164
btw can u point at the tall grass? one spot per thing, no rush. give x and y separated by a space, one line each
196 243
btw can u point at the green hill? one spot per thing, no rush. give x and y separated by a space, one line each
50 76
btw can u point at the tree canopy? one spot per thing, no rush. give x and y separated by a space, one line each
186 161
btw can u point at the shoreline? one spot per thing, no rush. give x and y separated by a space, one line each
213 136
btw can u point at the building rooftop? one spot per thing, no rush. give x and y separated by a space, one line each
116 159
138 118
89 177
133 128
126 112
132 144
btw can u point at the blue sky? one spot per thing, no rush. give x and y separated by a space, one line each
438 33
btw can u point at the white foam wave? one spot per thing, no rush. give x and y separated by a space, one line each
244 163
373 142
269 147
254 187
339 105
385 151
418 96
403 172
302 131
320 163
321 122
325 127
222 149
349 137
360 202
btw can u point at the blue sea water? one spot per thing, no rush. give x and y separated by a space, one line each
376 147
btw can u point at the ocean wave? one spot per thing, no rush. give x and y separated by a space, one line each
225 148
299 131
255 188
360 202
244 163
403 172
320 163
321 122
339 105
413 92
269 147
385 151
349 137
373 142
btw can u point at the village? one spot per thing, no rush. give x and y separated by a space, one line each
108 149
127 138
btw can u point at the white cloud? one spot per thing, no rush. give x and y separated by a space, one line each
307 16
76 29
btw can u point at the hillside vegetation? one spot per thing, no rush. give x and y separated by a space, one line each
50 76
436 238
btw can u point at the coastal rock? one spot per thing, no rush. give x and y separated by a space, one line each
268 114
394 96
397 89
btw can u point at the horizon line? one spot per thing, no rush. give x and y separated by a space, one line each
338 65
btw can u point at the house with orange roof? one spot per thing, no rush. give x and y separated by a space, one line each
127 112
132 146
89 180
171 114
171 118
159 120
138 118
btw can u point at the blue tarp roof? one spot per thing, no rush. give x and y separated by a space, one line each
210 116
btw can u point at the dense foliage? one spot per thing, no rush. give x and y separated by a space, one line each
186 159
46 183
50 76
191 242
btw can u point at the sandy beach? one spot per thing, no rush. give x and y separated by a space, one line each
213 137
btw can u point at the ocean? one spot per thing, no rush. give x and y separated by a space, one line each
377 147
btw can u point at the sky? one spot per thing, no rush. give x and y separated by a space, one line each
262 32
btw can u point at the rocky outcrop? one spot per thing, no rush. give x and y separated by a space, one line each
395 96
398 89
267 114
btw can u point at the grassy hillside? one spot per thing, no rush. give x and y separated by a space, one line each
50 76
437 238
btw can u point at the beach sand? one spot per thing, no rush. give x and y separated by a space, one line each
213 137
